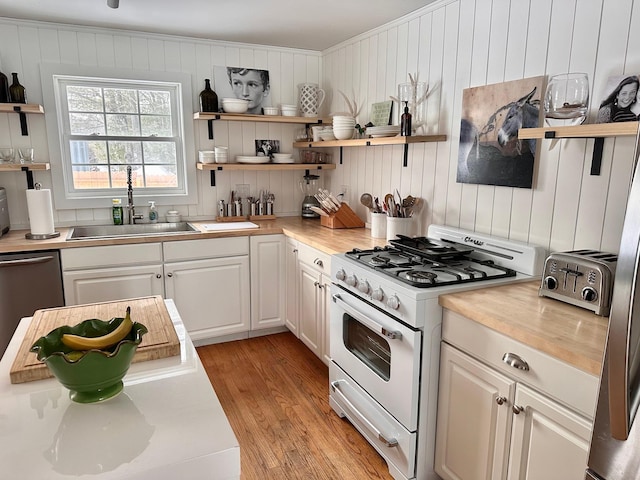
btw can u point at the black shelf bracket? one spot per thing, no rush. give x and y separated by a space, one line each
341 155
405 155
29 173
212 175
23 120
596 156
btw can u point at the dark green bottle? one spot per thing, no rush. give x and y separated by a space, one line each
208 98
4 89
17 93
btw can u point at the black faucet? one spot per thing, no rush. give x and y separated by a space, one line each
131 209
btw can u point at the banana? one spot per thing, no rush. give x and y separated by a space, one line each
78 342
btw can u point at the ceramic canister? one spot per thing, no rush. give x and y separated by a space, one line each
310 98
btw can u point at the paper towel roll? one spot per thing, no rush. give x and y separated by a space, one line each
40 211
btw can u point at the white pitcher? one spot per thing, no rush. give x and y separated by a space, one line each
310 98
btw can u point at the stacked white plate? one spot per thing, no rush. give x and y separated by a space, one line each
252 159
383 131
343 127
282 157
206 156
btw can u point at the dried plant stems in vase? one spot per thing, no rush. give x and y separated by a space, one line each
415 93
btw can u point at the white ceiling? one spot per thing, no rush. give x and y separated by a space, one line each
314 25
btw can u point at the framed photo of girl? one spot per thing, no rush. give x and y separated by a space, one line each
620 103
250 84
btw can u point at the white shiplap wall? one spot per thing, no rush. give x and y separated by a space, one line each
460 44
24 45
454 44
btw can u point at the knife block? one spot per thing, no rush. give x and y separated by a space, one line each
344 217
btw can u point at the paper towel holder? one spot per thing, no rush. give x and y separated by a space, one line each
40 236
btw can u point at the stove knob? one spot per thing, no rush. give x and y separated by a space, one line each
393 302
340 275
589 294
351 280
377 294
550 283
364 287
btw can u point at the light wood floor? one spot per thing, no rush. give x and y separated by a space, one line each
275 393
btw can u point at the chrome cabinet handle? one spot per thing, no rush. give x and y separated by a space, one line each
515 361
158 275
389 442
517 409
501 400
169 275
318 262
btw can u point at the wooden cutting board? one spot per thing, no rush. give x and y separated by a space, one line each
161 341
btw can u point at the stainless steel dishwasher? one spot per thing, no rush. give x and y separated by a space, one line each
28 282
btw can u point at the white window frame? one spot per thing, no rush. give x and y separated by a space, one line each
66 196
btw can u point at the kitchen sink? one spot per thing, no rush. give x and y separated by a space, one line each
137 230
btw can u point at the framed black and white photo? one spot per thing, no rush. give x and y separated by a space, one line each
267 147
250 84
490 152
620 100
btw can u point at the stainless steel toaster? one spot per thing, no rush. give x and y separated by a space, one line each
583 278
4 212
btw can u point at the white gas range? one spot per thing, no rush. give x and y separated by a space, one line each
385 332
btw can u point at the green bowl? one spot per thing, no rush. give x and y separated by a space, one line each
94 375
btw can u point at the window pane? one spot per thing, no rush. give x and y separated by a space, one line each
84 99
161 176
125 152
94 176
83 152
123 125
159 152
120 100
86 124
156 125
154 102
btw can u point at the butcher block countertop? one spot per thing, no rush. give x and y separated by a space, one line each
308 231
571 334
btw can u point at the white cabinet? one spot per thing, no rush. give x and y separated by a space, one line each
209 282
114 272
497 424
291 289
268 281
314 269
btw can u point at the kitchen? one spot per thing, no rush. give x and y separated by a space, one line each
453 44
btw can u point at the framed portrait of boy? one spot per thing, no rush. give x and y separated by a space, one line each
249 84
620 100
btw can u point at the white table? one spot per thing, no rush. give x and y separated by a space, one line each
166 424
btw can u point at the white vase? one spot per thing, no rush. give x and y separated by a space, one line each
310 98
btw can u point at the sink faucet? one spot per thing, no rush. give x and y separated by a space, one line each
131 209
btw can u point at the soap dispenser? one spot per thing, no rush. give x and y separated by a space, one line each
405 121
153 213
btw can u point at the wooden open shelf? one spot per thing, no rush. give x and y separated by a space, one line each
22 109
28 168
597 131
265 166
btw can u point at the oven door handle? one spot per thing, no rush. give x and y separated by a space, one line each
389 442
391 334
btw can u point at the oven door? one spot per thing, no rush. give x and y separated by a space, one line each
381 354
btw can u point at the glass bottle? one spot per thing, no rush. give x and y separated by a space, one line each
16 91
405 121
208 98
4 89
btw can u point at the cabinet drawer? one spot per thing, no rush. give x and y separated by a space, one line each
110 256
567 384
205 248
319 260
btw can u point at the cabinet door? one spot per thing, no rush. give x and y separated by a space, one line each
325 299
548 440
309 323
474 419
267 281
291 294
211 295
108 284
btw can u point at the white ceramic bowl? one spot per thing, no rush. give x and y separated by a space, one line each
327 136
344 134
271 110
173 216
282 155
235 105
206 156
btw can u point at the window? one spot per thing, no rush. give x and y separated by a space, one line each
107 124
